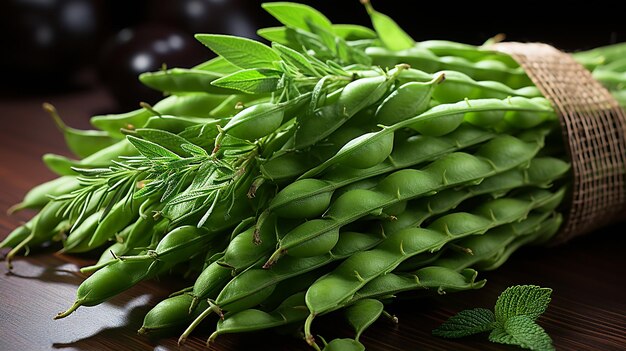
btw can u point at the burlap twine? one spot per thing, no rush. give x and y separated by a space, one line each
594 131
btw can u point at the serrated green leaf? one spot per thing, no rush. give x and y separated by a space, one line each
468 322
251 81
297 15
344 345
150 149
524 332
295 58
389 32
241 52
522 300
362 314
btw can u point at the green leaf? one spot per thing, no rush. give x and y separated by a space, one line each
362 314
251 81
217 65
150 149
275 34
524 332
241 52
194 150
522 300
344 345
468 322
297 15
353 32
295 58
165 139
389 32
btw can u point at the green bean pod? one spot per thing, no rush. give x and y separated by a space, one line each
408 100
78 239
256 121
184 80
18 234
121 215
43 229
319 235
170 314
441 279
362 314
344 345
488 245
39 196
328 292
81 143
292 309
108 282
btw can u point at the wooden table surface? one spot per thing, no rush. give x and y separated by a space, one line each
588 309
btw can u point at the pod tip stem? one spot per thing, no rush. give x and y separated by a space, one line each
69 311
17 207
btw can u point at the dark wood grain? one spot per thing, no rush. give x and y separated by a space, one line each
588 310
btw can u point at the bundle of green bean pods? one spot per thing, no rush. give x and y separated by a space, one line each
331 171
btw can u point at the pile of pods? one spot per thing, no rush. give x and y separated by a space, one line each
333 170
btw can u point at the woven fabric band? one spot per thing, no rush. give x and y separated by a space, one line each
594 129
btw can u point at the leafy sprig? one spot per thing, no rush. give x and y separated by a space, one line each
513 323
308 61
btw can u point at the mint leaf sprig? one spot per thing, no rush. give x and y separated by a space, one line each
513 323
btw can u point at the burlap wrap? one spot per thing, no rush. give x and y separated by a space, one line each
594 130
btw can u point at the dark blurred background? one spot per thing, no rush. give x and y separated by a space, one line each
60 46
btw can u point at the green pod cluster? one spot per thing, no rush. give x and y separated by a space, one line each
541 236
516 112
256 285
354 97
423 59
305 195
541 172
459 86
328 292
319 235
